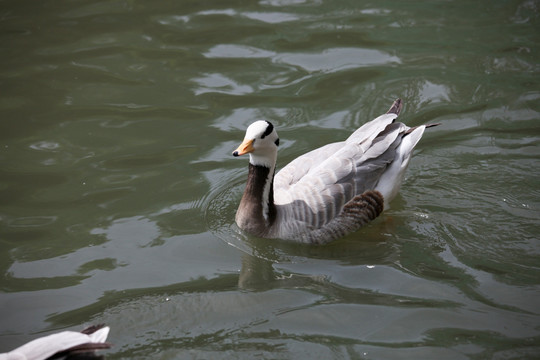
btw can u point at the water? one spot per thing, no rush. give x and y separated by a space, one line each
118 188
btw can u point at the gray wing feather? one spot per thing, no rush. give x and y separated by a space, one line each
314 188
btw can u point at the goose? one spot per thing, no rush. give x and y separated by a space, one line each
330 191
64 344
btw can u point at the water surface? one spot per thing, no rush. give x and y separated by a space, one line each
118 189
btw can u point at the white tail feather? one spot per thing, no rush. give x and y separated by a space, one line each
392 178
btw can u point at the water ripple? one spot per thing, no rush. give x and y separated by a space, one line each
329 60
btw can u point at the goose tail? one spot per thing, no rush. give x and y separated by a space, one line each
396 107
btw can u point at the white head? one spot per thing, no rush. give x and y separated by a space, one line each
261 143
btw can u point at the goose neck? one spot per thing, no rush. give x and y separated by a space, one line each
257 211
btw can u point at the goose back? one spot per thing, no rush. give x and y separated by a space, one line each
312 190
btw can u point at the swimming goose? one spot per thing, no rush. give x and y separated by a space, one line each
330 191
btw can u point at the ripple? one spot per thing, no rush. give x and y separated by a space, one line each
105 198
267 17
430 92
94 9
220 211
331 60
33 221
271 17
45 146
219 83
171 20
119 179
237 51
290 2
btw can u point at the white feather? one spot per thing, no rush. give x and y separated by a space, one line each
46 346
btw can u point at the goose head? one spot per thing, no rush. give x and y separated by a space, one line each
261 143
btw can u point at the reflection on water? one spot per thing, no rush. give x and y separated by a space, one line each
118 189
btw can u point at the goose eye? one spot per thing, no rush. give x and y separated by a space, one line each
276 142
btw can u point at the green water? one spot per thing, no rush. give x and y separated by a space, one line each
118 188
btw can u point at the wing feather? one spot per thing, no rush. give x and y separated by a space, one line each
317 185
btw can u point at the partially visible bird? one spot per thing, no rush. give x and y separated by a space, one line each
63 345
330 191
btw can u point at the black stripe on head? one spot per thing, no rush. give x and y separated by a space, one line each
268 131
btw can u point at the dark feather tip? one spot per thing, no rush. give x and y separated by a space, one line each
396 107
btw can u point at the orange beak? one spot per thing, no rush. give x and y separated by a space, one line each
245 147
